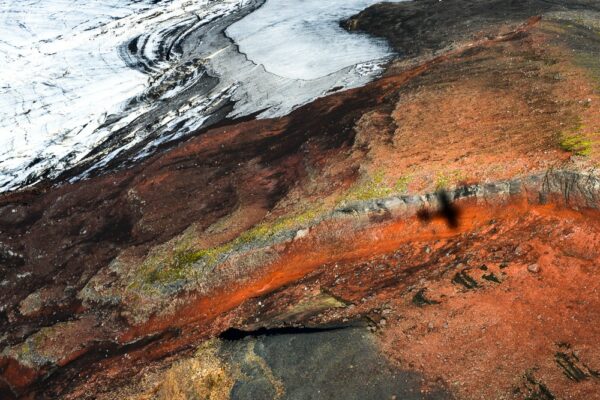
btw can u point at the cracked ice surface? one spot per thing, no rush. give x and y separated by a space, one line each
63 75
87 84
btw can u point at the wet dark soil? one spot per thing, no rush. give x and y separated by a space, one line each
335 364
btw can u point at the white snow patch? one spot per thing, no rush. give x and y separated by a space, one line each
64 86
62 74
302 39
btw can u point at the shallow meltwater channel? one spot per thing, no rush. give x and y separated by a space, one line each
95 86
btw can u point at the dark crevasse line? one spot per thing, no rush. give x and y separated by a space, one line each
233 334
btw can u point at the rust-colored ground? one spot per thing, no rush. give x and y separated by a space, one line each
483 342
505 337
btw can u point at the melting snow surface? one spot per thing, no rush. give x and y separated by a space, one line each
302 39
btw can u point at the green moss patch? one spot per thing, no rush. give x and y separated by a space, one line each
188 263
446 179
577 144
375 187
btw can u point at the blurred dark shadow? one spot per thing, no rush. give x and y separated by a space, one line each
447 210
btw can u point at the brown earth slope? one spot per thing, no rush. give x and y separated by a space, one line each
117 286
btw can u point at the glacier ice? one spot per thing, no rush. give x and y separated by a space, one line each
89 85
302 39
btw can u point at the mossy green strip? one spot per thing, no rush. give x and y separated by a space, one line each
189 263
577 144
375 187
